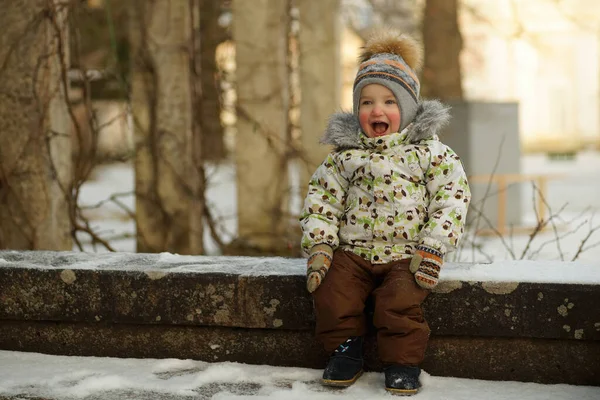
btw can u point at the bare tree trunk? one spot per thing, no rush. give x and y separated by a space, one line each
35 166
260 34
167 209
211 35
443 42
319 42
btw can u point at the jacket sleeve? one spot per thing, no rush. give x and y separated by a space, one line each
323 205
449 198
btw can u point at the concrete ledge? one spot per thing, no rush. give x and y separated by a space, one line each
256 310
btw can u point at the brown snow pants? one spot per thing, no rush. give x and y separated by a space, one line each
402 332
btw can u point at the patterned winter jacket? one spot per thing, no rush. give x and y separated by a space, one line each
380 197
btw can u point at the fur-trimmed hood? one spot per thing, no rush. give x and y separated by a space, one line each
343 130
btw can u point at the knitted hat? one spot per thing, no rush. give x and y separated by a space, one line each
391 59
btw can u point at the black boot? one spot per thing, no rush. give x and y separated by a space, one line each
345 364
402 379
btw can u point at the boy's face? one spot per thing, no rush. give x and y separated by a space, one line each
378 111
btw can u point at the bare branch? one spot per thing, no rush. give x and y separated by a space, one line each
582 247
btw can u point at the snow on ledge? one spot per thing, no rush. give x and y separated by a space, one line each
499 271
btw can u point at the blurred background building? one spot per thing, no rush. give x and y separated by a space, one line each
542 54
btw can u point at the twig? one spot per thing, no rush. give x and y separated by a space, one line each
210 221
551 220
538 228
477 247
534 254
112 198
480 214
582 247
95 238
591 246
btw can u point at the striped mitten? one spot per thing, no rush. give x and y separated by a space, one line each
317 265
426 265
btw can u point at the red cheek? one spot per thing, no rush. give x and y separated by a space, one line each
394 122
363 118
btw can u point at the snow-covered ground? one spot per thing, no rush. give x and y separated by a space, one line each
575 196
111 220
30 375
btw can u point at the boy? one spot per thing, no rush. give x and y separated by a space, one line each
380 214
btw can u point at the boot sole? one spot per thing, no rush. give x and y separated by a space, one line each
402 392
346 383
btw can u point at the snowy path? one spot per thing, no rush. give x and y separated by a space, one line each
36 376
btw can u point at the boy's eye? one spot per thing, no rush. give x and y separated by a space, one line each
390 101
365 102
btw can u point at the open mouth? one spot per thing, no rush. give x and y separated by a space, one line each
379 128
